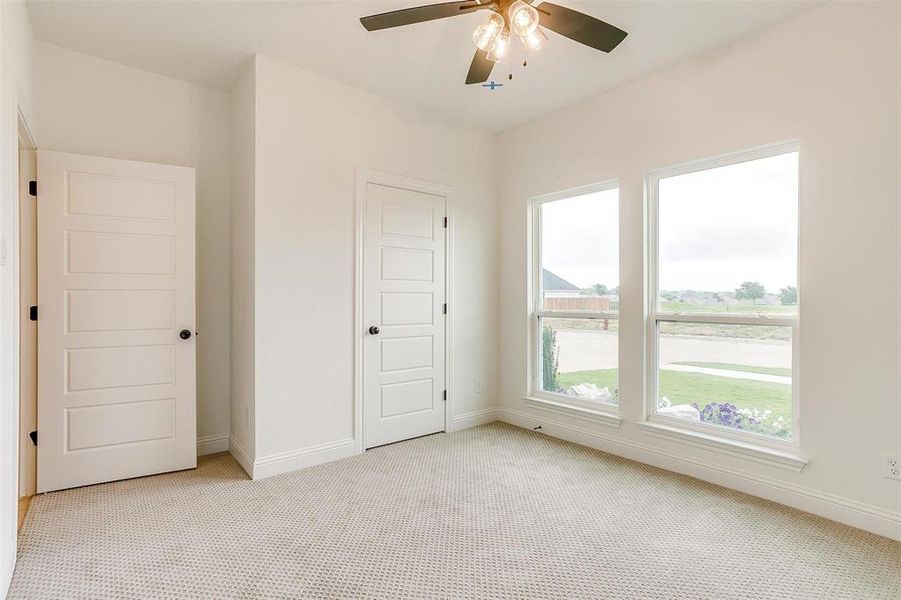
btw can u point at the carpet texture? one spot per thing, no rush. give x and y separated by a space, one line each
489 512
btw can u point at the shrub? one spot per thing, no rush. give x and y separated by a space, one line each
550 358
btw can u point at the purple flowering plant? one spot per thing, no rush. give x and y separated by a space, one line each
754 420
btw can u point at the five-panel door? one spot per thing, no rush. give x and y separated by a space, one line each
403 314
116 347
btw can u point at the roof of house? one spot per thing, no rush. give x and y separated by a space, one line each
551 282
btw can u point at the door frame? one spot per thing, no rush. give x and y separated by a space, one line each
363 177
28 277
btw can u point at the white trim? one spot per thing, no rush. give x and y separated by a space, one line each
286 462
240 453
728 158
535 311
475 418
26 137
604 417
726 319
653 315
555 314
844 510
211 444
8 566
761 454
364 176
726 435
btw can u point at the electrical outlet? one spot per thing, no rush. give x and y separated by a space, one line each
246 416
891 467
480 386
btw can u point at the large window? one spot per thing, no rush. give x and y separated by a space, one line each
724 296
575 304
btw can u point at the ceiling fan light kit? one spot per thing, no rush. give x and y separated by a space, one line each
500 48
492 36
523 18
485 34
534 41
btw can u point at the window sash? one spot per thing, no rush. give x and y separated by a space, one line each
653 390
536 361
536 304
655 315
554 314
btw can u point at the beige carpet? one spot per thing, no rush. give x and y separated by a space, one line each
489 512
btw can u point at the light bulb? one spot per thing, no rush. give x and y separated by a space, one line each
534 41
485 34
523 18
501 47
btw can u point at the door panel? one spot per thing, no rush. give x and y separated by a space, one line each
404 296
116 383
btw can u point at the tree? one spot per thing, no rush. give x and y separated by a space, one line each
750 290
788 295
550 358
599 289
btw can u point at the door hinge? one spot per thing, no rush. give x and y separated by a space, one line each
34 437
33 188
445 308
445 396
33 313
445 222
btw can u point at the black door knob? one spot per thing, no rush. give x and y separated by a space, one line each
373 330
184 334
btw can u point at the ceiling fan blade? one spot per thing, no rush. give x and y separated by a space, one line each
419 14
480 69
580 27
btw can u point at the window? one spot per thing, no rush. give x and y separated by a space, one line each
575 306
724 296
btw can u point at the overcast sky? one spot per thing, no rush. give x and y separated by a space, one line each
718 228
723 226
581 238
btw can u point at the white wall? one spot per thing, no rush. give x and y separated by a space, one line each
311 134
16 94
87 105
829 78
243 362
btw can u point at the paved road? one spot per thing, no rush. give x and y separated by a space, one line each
586 350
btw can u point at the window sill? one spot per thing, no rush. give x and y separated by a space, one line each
778 458
599 416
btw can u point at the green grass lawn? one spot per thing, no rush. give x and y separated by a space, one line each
733 367
699 388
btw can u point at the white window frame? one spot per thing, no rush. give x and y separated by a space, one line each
706 433
605 413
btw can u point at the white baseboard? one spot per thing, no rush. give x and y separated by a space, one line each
285 462
844 510
475 418
211 444
237 450
7 566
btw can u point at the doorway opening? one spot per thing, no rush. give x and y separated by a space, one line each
28 269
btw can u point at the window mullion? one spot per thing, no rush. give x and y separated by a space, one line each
726 319
576 315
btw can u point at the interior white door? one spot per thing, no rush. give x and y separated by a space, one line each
116 380
403 314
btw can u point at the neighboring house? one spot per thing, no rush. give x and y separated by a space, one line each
559 294
555 286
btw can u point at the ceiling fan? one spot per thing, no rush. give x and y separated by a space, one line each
492 37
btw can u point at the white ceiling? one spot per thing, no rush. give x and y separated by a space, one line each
425 64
